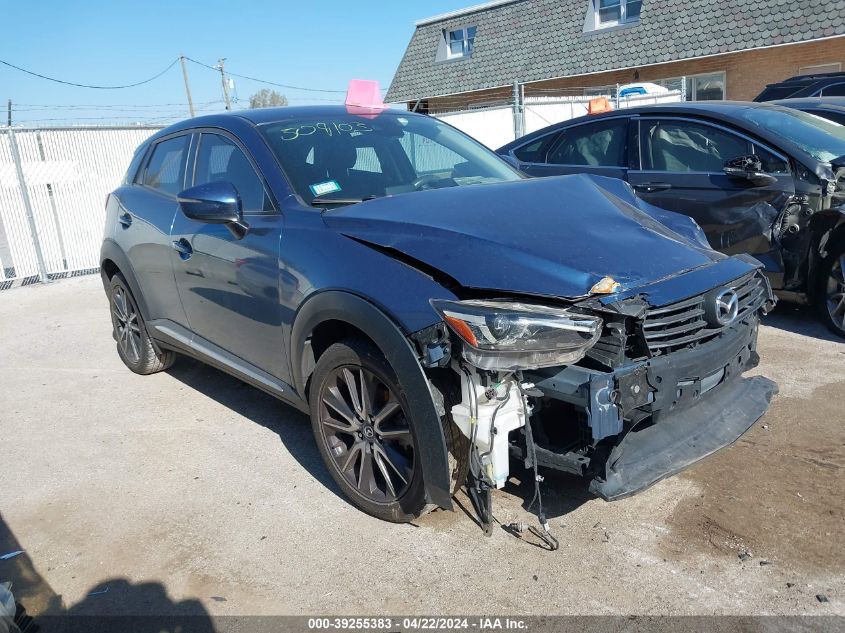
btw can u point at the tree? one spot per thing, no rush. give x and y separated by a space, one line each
266 98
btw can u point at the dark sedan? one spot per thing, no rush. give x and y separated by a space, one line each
758 178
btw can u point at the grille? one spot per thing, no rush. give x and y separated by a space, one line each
682 324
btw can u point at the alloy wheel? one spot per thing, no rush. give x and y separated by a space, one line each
367 433
835 295
126 325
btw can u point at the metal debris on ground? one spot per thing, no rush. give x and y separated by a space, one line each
11 555
100 592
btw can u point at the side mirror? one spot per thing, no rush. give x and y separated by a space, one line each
749 168
212 203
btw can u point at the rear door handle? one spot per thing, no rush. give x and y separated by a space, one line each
652 187
183 247
125 220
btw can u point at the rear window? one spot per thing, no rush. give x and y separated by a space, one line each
165 170
536 150
600 144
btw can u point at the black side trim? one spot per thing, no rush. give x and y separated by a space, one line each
176 337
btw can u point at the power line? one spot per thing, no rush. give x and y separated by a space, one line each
71 83
20 107
264 81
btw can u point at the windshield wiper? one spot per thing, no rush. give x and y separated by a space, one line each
321 201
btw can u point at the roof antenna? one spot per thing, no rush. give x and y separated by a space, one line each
364 98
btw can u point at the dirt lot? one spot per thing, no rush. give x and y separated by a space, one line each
191 491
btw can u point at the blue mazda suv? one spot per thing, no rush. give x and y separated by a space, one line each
437 315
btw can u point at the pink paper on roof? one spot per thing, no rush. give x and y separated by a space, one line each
364 98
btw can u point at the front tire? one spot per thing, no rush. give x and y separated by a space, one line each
133 343
832 288
366 434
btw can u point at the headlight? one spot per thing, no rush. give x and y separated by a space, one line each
507 336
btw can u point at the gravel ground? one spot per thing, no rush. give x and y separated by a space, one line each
191 491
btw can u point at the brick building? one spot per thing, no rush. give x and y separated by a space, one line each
712 49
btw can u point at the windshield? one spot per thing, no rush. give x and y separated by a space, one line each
351 158
822 139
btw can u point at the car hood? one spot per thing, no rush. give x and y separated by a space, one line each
548 236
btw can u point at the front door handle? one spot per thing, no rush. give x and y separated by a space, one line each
125 220
652 187
183 247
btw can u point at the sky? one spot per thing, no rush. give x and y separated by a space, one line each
319 44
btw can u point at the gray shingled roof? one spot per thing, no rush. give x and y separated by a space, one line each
531 40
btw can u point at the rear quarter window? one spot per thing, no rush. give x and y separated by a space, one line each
536 150
133 173
165 170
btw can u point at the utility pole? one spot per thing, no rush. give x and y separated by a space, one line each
219 66
187 86
9 123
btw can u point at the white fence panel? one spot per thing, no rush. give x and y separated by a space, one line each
68 173
491 126
541 112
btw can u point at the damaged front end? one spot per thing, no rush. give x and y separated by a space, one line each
631 388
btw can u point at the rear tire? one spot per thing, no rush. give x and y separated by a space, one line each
133 343
366 435
831 294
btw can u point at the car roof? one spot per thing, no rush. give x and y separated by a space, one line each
819 103
729 112
805 79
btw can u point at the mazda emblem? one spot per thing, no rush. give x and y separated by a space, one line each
727 307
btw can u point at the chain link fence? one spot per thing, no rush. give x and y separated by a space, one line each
53 186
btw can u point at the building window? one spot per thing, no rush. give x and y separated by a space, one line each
708 87
615 12
820 69
460 42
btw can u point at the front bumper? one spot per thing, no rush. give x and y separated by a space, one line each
645 456
651 419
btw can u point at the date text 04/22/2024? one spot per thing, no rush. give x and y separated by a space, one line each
418 624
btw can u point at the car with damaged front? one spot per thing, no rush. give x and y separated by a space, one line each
758 178
439 316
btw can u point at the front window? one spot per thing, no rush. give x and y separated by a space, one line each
684 146
822 139
220 160
352 158
614 12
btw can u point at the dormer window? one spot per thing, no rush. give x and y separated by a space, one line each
459 42
615 12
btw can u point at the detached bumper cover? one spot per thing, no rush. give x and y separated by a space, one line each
683 437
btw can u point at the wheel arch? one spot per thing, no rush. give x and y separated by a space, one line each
113 260
332 315
828 227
